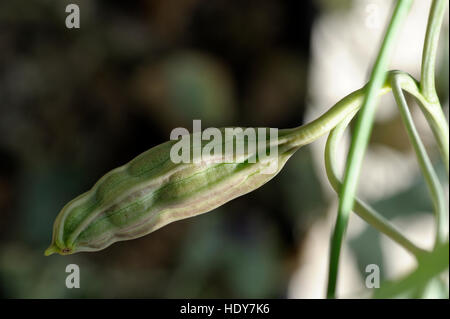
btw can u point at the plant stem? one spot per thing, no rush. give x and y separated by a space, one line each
435 18
363 210
434 114
360 141
405 82
431 178
308 133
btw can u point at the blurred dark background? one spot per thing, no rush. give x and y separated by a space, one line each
76 103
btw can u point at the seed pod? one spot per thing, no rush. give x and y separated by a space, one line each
152 191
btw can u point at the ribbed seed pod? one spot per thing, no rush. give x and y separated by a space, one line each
152 191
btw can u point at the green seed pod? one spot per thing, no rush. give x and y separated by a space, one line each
152 191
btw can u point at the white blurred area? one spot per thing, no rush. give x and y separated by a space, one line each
344 46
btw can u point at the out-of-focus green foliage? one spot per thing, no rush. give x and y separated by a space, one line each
423 281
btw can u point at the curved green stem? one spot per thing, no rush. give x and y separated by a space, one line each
362 209
360 140
435 18
399 81
305 134
428 102
438 123
311 131
337 118
432 112
431 178
431 106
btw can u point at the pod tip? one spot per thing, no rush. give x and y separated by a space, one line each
51 250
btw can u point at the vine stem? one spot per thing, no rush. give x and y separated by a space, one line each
363 210
424 161
397 81
430 46
360 140
434 113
